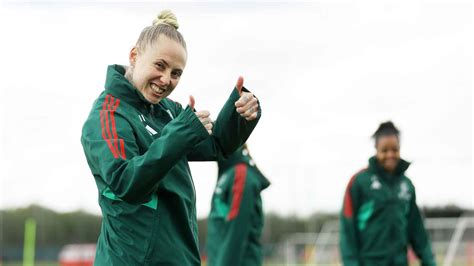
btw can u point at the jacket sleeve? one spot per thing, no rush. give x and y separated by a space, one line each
418 236
238 222
349 242
230 131
113 154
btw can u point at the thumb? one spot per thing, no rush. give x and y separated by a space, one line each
240 84
191 102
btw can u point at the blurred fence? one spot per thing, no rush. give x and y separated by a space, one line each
452 241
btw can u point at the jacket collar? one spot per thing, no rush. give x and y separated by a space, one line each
117 85
377 168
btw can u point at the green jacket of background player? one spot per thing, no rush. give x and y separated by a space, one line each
138 154
235 223
380 219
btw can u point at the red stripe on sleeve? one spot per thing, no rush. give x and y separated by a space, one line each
107 123
122 149
348 209
121 143
114 129
104 123
237 190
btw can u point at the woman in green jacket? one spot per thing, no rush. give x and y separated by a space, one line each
235 223
380 217
138 143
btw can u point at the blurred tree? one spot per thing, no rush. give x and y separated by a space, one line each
52 228
57 229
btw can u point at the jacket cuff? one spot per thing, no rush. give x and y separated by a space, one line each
234 96
193 122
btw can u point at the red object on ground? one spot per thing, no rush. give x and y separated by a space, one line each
470 253
77 255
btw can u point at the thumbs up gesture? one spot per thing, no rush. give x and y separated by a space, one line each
247 104
202 115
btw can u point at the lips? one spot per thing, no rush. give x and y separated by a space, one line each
157 90
390 163
393 161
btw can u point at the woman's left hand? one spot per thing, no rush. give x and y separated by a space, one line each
247 104
202 115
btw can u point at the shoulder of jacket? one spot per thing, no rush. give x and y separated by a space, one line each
362 174
252 177
105 107
238 170
254 171
408 180
108 102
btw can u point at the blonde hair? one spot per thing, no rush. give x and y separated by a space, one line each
165 23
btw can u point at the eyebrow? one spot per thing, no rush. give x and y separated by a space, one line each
166 63
163 61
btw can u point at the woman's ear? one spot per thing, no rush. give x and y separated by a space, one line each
132 57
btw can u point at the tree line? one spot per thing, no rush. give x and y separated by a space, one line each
55 230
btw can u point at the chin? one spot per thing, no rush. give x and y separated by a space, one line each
153 99
390 168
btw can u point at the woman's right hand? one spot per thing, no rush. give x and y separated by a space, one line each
202 115
247 105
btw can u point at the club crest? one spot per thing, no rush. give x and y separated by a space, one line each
375 183
404 191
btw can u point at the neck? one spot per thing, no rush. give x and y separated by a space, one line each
128 73
390 172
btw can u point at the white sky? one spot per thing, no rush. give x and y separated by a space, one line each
326 75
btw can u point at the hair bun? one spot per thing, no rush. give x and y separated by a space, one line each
386 128
166 17
387 125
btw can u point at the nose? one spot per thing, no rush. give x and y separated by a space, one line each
391 155
166 79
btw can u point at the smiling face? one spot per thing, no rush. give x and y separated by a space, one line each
156 70
388 152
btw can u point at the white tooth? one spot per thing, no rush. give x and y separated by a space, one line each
155 88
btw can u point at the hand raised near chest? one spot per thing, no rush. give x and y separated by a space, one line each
202 115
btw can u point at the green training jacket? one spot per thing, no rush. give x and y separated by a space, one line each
380 219
235 223
138 154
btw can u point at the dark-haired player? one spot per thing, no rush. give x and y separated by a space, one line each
380 217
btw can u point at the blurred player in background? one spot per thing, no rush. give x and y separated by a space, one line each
236 220
380 217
